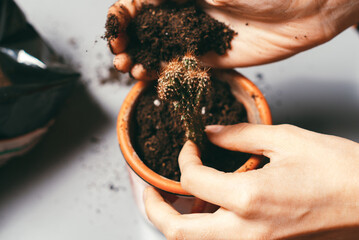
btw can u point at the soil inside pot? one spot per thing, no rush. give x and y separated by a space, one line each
170 30
158 136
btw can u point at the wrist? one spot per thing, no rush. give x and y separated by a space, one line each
352 192
348 187
342 14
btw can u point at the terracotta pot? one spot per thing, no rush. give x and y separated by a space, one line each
141 176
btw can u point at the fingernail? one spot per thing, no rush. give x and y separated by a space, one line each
214 128
130 75
111 49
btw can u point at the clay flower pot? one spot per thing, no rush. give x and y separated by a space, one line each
141 176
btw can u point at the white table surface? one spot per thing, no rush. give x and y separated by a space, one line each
74 184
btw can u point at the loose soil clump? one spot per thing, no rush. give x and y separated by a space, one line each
112 27
159 136
162 33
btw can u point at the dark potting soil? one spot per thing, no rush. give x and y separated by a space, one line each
159 136
112 27
161 33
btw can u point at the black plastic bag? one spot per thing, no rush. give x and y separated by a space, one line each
34 82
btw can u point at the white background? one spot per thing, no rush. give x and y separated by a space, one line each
62 189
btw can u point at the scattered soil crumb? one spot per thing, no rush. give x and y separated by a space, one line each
114 188
259 76
73 43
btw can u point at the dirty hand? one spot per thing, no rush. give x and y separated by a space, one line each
267 30
311 184
125 10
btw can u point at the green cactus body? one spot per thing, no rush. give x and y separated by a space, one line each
185 83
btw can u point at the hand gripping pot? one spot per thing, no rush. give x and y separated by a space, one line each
141 176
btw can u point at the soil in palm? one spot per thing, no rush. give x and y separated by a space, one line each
161 33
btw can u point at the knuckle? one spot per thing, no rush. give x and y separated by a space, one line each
149 214
112 9
265 232
286 128
247 202
241 127
260 234
187 177
174 232
285 132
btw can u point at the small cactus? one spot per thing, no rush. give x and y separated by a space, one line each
184 83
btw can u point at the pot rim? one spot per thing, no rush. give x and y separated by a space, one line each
153 178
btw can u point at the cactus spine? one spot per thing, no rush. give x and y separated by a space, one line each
185 83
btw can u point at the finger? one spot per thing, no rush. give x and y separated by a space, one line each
118 18
122 14
249 44
189 226
217 3
206 183
130 7
140 73
255 55
122 62
157 210
118 45
154 2
250 138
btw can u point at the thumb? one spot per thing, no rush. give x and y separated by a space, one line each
245 137
212 185
222 3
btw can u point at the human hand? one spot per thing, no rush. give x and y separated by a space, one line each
272 30
125 10
311 184
267 31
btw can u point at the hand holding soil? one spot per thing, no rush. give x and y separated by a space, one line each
158 34
298 192
265 32
311 184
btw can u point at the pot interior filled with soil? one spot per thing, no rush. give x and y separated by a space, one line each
158 135
150 138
